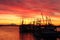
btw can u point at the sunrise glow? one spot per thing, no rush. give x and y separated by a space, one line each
14 12
13 19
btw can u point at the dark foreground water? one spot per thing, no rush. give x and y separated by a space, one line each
12 33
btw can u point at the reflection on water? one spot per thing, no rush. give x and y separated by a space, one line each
13 33
9 33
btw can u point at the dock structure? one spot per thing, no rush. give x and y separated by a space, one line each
41 32
45 32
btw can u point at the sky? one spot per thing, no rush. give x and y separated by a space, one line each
26 9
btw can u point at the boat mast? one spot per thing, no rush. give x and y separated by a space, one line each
42 16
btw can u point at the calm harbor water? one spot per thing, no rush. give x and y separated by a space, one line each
13 33
9 33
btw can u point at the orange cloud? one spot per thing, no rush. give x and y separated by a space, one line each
29 9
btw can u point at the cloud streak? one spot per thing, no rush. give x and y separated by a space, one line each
29 6
33 4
